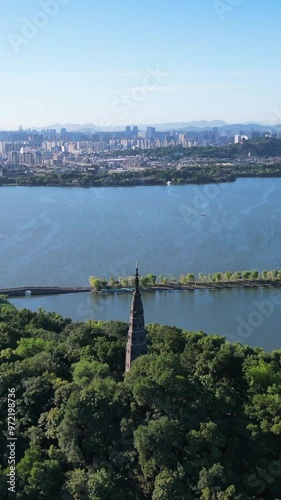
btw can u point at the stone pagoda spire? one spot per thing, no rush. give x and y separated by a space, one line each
137 342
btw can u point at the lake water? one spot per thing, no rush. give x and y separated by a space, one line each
251 317
60 236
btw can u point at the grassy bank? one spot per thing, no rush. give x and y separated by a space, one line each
189 281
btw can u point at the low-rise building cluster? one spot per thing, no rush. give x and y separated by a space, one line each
32 151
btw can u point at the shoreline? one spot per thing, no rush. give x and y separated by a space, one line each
231 179
45 291
198 286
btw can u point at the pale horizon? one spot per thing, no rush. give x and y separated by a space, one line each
195 123
167 62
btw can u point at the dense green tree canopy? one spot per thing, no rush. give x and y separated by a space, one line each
196 418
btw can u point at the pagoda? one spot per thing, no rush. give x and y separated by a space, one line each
137 341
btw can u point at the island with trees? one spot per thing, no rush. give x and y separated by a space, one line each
195 418
189 281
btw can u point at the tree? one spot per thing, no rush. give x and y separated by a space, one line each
190 277
9 336
7 312
104 283
263 375
85 371
172 279
157 444
210 478
112 282
77 484
144 281
265 414
151 279
29 347
95 283
217 277
131 281
3 300
227 276
254 275
163 279
52 322
237 275
100 485
183 279
124 282
45 480
170 484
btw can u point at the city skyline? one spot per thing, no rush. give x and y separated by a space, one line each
198 125
111 65
66 150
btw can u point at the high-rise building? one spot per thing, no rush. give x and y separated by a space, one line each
128 131
150 132
137 341
15 157
135 131
63 134
38 158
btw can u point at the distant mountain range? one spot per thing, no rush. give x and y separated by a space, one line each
173 126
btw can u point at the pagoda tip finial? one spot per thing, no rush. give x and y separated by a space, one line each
137 278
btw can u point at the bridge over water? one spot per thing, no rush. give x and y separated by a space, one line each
58 290
42 290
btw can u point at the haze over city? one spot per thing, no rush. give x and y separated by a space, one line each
110 64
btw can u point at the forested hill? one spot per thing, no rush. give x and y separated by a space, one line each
196 418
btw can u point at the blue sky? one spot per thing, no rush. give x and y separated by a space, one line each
91 61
